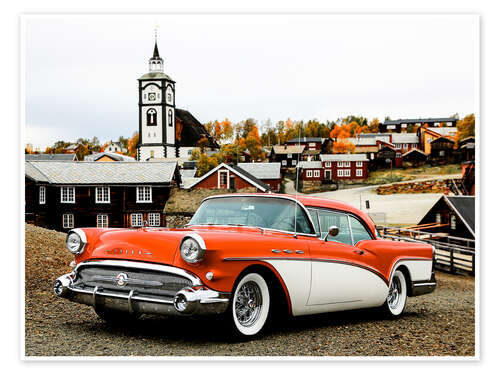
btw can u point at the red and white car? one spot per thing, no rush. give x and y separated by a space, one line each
245 255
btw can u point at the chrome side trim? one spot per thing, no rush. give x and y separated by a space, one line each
288 251
424 284
299 251
143 266
276 251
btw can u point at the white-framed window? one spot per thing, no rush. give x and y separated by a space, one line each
347 164
340 164
398 154
283 162
41 194
154 219
67 194
359 173
102 194
359 164
143 194
223 179
312 144
390 127
309 173
397 145
405 146
294 162
136 220
316 173
453 222
441 153
347 173
289 156
68 221
438 218
340 173
328 164
102 221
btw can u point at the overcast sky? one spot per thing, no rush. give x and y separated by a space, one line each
81 72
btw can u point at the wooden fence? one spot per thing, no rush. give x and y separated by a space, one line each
453 254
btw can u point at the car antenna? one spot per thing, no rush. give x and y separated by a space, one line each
296 189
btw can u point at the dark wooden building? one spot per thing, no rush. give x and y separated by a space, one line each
398 126
442 149
467 148
414 158
65 195
287 156
452 216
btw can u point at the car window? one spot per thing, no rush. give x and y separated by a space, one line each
340 220
264 212
315 220
359 232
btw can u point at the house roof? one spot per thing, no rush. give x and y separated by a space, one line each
343 157
239 172
191 130
284 149
310 164
60 157
414 150
464 207
419 120
111 155
262 171
91 173
305 140
442 139
447 132
405 138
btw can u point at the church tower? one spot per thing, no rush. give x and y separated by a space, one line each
156 112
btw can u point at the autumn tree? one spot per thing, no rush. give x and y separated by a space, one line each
373 126
205 164
466 127
132 145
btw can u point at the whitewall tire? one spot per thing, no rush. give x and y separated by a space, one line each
250 305
396 298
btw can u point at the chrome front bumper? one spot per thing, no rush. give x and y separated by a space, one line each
196 300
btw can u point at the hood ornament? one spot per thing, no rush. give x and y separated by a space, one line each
121 279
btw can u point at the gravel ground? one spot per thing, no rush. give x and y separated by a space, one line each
437 324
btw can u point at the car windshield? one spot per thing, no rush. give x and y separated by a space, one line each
263 212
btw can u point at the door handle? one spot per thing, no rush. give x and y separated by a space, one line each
360 252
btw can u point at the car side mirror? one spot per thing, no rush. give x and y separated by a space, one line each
332 231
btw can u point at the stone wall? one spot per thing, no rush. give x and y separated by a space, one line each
177 221
434 186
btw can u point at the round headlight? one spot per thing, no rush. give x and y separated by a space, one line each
74 243
191 251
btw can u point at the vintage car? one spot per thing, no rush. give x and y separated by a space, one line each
245 256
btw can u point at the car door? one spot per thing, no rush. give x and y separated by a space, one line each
342 276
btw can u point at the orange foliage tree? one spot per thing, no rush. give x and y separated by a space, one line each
132 145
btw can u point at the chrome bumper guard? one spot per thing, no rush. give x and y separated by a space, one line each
188 301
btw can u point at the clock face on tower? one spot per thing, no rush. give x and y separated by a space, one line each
151 96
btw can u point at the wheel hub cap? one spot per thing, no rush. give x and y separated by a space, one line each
248 303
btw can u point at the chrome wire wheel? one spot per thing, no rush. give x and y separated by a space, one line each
396 297
250 305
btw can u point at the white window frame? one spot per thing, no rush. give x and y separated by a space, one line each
312 144
438 217
340 173
68 221
398 154
219 186
359 173
42 194
105 193
102 221
347 164
347 173
133 220
340 164
154 219
70 193
316 173
283 162
141 195
289 156
453 222
359 164
309 173
328 164
294 162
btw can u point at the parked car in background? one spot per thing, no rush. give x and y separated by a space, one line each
245 255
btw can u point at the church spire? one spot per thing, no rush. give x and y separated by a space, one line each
156 62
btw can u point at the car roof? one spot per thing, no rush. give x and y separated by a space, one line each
310 201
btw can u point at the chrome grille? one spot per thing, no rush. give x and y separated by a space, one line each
141 281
